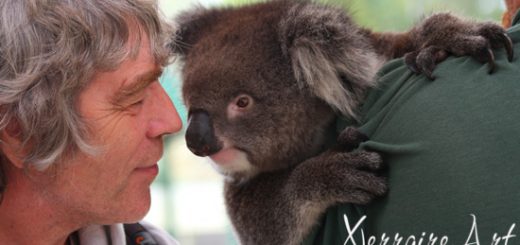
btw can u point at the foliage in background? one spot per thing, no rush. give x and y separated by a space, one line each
397 15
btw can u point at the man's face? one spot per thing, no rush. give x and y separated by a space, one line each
127 112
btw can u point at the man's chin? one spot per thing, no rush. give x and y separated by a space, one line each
136 206
137 214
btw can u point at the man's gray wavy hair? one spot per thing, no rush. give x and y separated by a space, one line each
49 51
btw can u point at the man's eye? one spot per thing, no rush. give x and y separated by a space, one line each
134 104
137 103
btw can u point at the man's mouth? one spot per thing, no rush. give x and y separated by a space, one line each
149 170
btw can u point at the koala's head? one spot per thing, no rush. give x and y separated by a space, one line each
262 83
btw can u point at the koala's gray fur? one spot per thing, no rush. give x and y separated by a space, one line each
263 85
337 46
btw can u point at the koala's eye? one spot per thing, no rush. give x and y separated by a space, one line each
240 105
243 101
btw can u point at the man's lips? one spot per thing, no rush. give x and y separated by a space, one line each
152 169
151 166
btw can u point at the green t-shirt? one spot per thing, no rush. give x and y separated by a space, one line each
453 152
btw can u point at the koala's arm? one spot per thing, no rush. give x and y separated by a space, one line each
326 180
336 177
339 175
438 36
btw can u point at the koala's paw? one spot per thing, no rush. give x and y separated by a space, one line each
444 34
358 171
350 138
339 177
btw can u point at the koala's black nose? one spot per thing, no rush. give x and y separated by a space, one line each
200 136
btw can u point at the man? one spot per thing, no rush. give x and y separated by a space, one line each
452 151
512 7
82 117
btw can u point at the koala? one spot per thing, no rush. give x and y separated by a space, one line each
264 85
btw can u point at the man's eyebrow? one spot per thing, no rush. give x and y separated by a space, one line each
136 85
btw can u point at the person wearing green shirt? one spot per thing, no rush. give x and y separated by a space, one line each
452 146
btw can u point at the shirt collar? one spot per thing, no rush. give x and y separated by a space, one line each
516 20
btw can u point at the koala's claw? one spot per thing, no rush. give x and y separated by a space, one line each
425 60
350 138
443 34
497 37
409 60
508 44
491 61
495 41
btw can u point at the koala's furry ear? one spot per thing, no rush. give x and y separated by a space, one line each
190 26
329 55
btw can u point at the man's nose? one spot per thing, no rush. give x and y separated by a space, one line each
165 118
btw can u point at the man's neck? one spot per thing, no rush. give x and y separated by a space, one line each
26 217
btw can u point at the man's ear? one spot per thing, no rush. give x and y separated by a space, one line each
11 144
191 25
328 54
512 7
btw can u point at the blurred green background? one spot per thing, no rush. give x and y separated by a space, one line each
395 15
187 196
